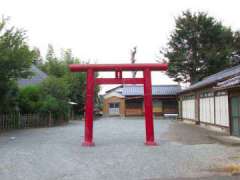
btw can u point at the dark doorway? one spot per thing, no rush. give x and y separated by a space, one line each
235 115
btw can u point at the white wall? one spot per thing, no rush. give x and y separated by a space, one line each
188 109
207 110
213 108
221 110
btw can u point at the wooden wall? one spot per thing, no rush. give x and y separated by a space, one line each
111 100
161 106
134 107
170 106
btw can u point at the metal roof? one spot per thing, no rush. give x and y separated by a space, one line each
229 82
164 90
37 77
220 76
117 89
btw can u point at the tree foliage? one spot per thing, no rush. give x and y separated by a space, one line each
52 104
53 65
198 47
57 68
55 87
235 57
29 99
49 96
8 96
54 93
77 88
15 61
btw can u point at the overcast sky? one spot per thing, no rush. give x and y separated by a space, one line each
104 31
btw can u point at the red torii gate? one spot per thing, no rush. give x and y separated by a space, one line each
118 68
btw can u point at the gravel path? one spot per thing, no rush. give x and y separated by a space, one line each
56 153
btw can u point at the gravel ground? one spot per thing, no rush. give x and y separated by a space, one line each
56 153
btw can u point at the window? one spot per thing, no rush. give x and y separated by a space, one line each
116 105
221 93
113 105
188 97
206 94
134 103
157 103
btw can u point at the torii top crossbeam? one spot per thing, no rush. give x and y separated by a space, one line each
90 69
118 67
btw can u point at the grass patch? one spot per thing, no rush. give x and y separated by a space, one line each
233 169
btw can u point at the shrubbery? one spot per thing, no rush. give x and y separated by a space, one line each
29 100
50 96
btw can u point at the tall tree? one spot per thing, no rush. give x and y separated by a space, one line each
38 59
235 58
75 82
67 56
198 47
50 56
53 65
15 61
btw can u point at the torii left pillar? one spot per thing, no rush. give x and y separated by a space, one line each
88 136
91 81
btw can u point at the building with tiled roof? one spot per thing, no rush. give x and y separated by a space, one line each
214 101
128 100
137 90
37 77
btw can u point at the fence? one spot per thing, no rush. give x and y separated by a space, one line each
19 121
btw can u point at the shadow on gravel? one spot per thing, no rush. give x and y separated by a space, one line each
190 134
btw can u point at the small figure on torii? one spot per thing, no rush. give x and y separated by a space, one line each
133 59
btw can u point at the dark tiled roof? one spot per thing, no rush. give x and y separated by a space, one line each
220 76
37 77
118 88
164 90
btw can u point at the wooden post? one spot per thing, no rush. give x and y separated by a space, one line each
50 119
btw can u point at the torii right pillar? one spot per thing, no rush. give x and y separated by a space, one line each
148 107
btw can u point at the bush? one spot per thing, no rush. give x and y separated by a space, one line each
55 94
29 99
50 96
55 87
49 104
52 104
